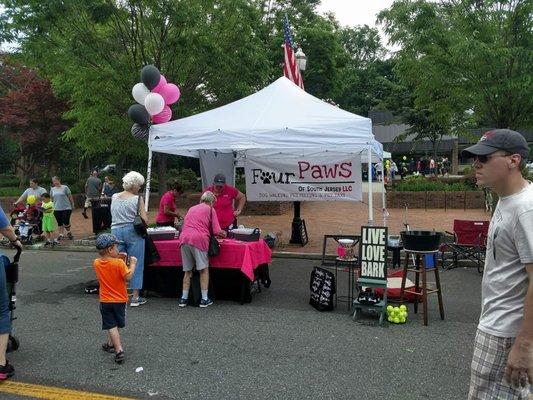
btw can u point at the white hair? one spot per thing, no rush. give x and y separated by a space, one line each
208 197
132 179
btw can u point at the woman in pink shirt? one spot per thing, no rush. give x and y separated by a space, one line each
194 242
167 206
226 195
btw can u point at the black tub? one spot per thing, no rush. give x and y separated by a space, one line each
421 240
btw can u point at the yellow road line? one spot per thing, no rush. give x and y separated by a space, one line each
51 392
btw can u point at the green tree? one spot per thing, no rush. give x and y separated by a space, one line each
465 57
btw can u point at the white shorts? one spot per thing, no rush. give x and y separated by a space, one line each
193 257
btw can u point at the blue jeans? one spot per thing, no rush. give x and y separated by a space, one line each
134 246
5 317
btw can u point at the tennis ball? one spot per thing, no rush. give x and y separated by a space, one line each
389 308
402 320
403 307
396 320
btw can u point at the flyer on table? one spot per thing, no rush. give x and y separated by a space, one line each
335 178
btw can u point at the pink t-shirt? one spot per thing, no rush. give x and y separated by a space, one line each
224 205
169 200
195 230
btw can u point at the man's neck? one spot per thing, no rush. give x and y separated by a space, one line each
511 186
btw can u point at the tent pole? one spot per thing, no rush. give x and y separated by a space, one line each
370 209
148 177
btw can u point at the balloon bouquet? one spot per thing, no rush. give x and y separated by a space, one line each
154 95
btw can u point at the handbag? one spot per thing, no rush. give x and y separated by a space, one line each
214 246
138 223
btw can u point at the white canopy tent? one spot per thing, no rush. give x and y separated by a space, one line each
279 120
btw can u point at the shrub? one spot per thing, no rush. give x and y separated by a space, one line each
7 180
419 183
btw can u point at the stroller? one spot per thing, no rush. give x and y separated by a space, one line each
12 277
27 222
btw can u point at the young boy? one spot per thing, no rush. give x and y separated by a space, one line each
112 273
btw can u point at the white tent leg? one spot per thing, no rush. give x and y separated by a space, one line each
383 200
148 176
370 208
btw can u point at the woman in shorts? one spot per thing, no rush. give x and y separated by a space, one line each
63 206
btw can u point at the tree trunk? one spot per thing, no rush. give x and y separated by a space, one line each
161 172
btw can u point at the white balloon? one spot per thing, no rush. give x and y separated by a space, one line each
139 93
154 103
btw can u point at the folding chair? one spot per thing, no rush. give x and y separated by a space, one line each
469 242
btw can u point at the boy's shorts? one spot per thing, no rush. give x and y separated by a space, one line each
113 315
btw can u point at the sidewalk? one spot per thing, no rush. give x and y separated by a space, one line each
323 218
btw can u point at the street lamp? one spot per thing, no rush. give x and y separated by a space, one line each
299 231
301 59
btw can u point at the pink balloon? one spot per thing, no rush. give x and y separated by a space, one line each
171 93
160 85
163 116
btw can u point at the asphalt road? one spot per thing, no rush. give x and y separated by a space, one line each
277 347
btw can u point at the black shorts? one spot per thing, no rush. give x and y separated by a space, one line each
113 315
63 217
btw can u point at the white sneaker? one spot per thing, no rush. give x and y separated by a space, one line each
139 301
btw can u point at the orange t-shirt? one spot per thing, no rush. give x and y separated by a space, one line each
111 276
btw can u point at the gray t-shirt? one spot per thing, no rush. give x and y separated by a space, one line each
37 192
60 197
505 280
94 185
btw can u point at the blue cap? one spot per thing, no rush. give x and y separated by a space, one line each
105 240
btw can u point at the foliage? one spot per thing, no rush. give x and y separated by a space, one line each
31 116
419 183
465 59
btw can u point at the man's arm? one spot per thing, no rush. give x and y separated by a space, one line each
167 211
241 201
520 359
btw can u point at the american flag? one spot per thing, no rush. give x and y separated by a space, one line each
290 66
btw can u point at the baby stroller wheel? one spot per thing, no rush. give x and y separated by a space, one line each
13 344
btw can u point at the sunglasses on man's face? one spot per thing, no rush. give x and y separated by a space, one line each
485 159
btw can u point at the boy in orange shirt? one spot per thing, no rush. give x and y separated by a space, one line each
113 273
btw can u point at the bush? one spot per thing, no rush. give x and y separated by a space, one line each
7 180
10 191
419 183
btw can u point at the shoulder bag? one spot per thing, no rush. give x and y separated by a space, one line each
214 246
138 223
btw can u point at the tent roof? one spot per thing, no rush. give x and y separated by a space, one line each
279 119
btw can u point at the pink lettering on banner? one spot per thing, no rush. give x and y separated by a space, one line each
343 170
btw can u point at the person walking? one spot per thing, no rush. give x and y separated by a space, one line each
34 190
113 273
502 363
93 188
124 208
194 241
63 206
6 230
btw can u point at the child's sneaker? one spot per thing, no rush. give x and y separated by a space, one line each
47 243
205 303
55 242
120 357
69 236
61 237
6 371
139 301
108 348
183 302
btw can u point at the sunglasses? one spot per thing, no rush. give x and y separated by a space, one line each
485 159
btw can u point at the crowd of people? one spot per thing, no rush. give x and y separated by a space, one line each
502 363
389 170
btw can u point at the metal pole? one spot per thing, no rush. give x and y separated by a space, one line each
148 176
370 209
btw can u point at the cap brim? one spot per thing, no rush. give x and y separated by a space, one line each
218 184
479 149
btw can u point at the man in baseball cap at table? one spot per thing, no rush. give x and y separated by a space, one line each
502 363
226 196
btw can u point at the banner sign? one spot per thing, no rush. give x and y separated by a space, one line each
373 252
331 178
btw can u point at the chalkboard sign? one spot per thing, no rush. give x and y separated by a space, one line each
373 252
322 286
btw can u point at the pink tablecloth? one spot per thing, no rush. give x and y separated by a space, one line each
235 254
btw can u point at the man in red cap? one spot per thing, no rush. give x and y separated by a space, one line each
502 363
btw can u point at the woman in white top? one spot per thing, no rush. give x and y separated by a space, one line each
63 206
34 190
124 207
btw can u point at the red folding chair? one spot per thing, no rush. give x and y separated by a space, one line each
469 242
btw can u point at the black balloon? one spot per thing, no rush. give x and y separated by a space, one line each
139 114
140 131
150 76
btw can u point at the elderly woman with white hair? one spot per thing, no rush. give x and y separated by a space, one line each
124 208
194 242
